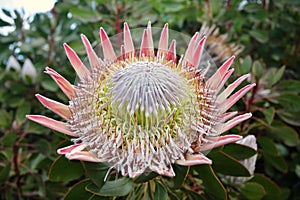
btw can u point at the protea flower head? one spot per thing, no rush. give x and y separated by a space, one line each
144 110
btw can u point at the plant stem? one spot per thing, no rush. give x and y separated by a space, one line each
16 164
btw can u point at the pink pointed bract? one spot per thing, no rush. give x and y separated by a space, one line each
108 51
128 44
78 66
145 110
64 85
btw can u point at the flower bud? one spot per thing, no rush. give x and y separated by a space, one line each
12 63
28 71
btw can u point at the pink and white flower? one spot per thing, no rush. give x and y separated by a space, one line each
144 110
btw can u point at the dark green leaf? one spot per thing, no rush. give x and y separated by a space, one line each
160 192
22 111
285 133
271 188
119 187
5 119
277 162
6 12
144 178
63 169
252 7
259 35
180 176
38 161
4 23
238 151
33 127
215 6
289 86
4 171
44 147
192 195
212 185
259 15
257 69
268 146
246 65
78 191
269 114
85 15
49 85
95 197
14 101
96 172
227 165
278 75
54 189
292 118
9 139
291 102
252 191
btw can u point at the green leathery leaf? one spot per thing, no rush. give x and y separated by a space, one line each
224 164
291 102
78 191
180 176
267 146
257 69
44 147
118 187
259 35
49 84
4 172
252 191
252 7
194 195
287 134
213 187
239 151
215 6
160 192
5 119
63 169
4 23
277 162
246 65
269 114
259 16
96 172
277 75
144 178
95 197
85 15
6 12
271 188
290 117
33 127
9 139
289 86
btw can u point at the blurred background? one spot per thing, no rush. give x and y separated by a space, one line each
263 34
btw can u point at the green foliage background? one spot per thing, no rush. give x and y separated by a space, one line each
269 31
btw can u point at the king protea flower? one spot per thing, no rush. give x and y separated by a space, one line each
144 110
